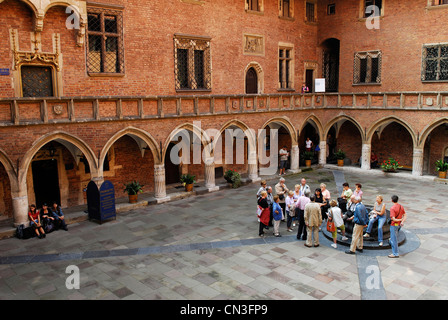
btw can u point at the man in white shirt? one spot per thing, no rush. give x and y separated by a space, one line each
283 159
304 188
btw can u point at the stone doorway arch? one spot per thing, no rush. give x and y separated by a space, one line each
255 73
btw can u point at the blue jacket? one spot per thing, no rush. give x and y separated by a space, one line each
57 213
276 207
361 216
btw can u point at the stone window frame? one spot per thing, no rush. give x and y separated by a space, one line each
314 19
290 81
437 3
260 6
331 5
290 15
199 2
363 6
357 67
111 10
424 62
37 58
193 43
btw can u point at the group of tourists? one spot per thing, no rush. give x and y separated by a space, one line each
46 219
309 209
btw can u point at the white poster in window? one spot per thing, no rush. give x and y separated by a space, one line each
319 85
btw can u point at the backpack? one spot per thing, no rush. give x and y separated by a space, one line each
24 233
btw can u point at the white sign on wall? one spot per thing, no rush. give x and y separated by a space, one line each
319 85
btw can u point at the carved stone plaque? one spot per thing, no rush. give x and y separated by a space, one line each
253 44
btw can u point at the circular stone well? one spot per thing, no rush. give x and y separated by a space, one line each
370 242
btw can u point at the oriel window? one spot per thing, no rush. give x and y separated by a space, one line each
105 54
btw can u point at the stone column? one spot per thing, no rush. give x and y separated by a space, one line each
323 153
365 156
253 167
294 167
159 183
417 162
20 209
210 175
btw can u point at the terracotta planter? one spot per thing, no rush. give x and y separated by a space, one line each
133 198
308 163
189 187
442 174
340 162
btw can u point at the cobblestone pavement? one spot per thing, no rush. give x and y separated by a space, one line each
207 247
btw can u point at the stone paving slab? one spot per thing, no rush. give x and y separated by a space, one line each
207 247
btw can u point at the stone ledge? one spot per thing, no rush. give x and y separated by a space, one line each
405 175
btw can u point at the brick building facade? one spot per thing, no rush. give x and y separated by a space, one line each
99 90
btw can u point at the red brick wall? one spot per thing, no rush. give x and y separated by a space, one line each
349 141
436 146
395 142
405 27
5 195
149 27
130 165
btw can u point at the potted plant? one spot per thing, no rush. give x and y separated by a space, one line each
188 181
340 156
391 165
308 156
232 177
132 189
442 167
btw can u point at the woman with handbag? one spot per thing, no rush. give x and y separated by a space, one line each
264 213
335 221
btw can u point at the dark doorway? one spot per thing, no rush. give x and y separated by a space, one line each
37 81
331 64
309 77
171 170
251 81
46 182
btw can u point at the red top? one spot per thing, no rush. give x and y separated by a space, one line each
396 211
34 215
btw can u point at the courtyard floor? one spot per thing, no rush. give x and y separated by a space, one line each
207 247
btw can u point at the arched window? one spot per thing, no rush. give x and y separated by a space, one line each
251 81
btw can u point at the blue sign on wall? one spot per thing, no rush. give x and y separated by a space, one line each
4 72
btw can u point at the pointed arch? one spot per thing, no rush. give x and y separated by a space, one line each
384 122
31 5
316 121
39 143
343 118
142 138
201 134
9 168
285 122
260 75
250 134
428 129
